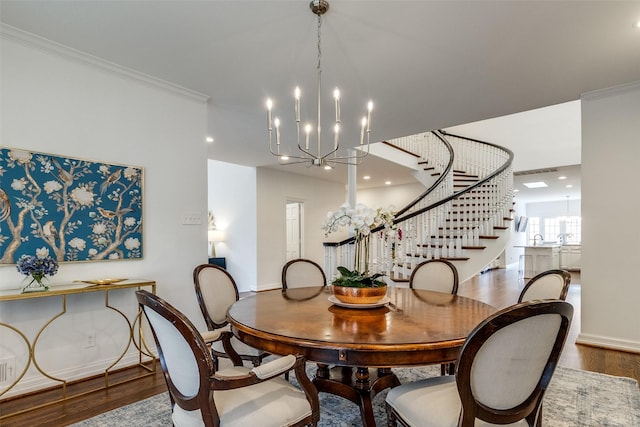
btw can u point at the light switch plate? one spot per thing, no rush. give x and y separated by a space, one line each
191 218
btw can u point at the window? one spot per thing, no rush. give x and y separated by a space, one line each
551 229
534 228
573 229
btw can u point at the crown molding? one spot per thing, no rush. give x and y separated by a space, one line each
8 32
614 90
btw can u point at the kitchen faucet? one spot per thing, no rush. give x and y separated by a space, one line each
535 239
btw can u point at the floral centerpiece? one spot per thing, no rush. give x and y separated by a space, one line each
37 266
360 221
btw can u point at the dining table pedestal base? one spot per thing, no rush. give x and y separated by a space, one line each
359 386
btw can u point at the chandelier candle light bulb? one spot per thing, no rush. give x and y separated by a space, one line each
296 95
307 130
277 123
269 108
336 97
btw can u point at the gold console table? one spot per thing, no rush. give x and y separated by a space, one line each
146 359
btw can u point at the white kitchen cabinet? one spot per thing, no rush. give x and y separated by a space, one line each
570 257
540 258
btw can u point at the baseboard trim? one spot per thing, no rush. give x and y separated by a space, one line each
77 373
608 343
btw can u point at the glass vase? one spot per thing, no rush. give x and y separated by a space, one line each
36 284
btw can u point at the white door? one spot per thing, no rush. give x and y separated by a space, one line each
294 238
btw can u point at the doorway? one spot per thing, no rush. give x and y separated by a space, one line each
294 212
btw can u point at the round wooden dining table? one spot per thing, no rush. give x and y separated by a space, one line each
413 327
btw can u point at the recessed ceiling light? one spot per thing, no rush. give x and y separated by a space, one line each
538 184
209 139
515 190
569 186
366 177
562 177
387 183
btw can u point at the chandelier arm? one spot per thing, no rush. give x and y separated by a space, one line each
355 156
359 154
309 154
305 160
329 153
353 161
275 153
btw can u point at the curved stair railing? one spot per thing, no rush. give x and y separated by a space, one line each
461 217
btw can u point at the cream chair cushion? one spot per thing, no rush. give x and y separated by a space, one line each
218 293
437 397
251 406
546 287
240 347
303 273
179 358
433 276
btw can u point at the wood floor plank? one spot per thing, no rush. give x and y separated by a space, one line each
499 288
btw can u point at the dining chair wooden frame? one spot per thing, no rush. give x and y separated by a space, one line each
485 389
421 268
214 309
550 292
417 276
307 263
193 380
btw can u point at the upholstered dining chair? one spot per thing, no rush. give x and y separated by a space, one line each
502 372
435 275
216 291
301 272
550 284
235 396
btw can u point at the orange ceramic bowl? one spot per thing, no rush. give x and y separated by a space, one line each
359 295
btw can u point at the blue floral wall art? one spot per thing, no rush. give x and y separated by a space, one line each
70 209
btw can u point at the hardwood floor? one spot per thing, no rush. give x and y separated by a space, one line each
499 288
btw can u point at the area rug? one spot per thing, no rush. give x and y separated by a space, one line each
574 399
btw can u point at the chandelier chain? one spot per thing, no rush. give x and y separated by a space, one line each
319 44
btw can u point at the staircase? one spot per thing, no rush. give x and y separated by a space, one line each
463 216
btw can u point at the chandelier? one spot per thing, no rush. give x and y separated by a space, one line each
330 156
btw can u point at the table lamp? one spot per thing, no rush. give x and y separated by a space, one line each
215 236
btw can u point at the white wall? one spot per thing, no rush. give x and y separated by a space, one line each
554 208
57 101
274 188
397 195
232 199
610 206
513 250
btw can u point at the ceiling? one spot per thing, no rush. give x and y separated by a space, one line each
425 64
